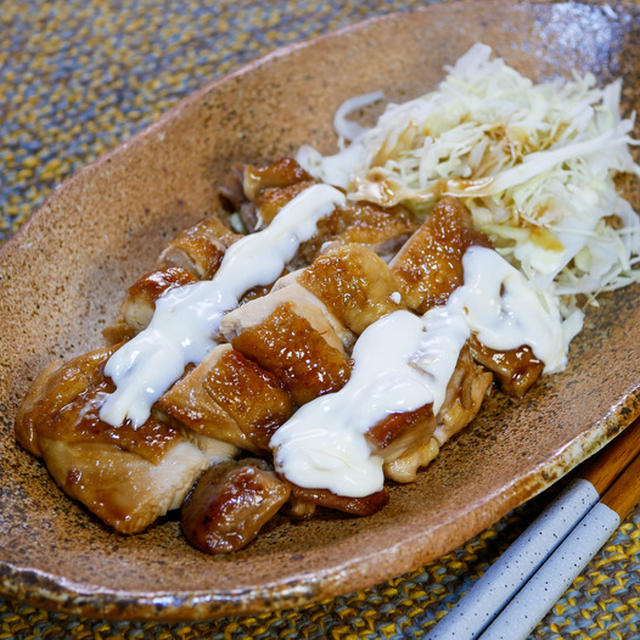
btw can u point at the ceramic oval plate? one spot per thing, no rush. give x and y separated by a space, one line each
64 274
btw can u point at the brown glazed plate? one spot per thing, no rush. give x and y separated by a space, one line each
63 276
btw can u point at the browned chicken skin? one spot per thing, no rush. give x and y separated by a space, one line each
287 345
282 173
364 223
465 392
199 249
429 268
139 305
269 201
244 185
128 477
398 432
364 506
230 504
230 398
355 284
516 370
257 193
429 265
70 398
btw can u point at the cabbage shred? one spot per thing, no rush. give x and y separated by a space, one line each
535 164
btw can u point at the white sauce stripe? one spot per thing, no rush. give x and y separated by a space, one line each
323 444
506 312
403 362
187 318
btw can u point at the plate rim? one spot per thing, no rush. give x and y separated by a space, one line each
56 592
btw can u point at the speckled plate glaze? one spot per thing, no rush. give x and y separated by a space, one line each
63 276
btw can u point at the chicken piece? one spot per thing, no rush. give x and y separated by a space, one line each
39 403
299 356
194 254
355 284
229 398
429 266
268 189
258 194
364 223
269 201
516 370
408 441
230 503
383 230
284 172
199 249
404 442
63 404
399 432
244 185
127 477
140 304
405 467
465 392
123 489
364 506
233 199
298 508
301 301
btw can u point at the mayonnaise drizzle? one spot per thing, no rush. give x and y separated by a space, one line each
187 318
403 362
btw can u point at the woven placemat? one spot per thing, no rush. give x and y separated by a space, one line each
76 78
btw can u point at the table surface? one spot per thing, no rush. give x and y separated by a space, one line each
77 78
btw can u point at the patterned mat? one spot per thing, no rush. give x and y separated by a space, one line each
75 79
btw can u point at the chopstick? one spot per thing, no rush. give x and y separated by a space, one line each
546 586
531 567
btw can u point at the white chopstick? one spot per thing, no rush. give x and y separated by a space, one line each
576 515
518 619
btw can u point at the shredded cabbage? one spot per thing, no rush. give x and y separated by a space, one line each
535 164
